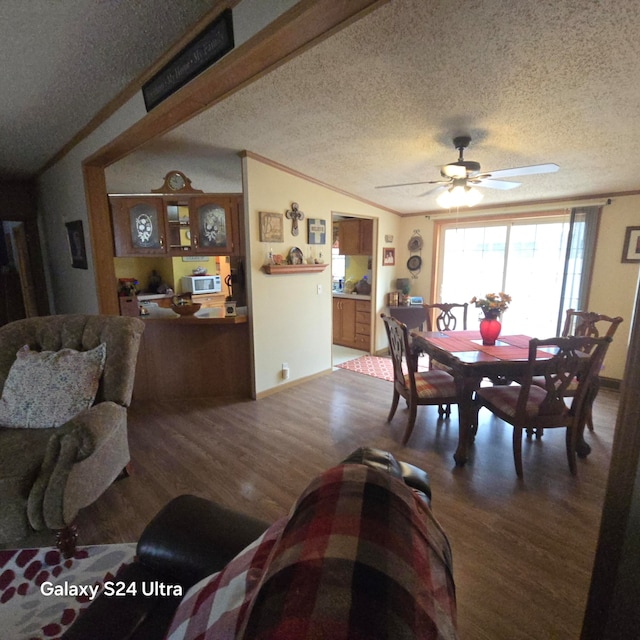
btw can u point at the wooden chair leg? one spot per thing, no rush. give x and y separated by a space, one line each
66 540
394 405
444 410
589 418
413 411
517 450
126 472
571 450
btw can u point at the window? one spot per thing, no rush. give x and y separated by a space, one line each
337 265
541 262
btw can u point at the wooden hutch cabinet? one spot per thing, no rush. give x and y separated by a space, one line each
185 223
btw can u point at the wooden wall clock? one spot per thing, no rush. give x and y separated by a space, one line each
176 182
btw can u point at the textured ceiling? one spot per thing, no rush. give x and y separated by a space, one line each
63 60
531 81
379 103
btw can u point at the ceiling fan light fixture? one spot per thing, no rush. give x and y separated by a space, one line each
459 196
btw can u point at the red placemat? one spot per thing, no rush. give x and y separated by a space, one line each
514 353
452 342
519 340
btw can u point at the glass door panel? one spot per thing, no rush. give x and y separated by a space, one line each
212 227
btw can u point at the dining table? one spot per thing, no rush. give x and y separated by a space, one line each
471 362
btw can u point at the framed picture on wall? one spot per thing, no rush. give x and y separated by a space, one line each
77 247
631 249
317 231
388 256
271 227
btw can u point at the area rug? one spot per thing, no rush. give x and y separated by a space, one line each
375 366
30 605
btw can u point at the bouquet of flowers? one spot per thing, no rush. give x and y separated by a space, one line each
493 304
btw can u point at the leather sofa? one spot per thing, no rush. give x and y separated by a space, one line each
192 538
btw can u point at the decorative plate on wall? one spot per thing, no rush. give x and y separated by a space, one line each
414 263
415 243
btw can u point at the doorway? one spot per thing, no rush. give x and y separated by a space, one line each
23 291
353 280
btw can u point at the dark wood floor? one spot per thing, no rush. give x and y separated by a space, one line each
523 550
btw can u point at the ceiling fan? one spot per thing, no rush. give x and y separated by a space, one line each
461 177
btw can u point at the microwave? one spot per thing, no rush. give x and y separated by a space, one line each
201 284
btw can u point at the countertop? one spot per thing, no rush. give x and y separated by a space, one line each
353 296
208 315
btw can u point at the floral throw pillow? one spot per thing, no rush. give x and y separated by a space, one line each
47 388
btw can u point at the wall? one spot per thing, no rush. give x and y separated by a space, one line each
612 285
291 321
356 267
61 195
62 199
141 268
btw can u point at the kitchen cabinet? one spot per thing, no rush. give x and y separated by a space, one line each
201 225
355 237
352 323
363 324
208 224
138 226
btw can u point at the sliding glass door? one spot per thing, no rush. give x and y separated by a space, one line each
531 260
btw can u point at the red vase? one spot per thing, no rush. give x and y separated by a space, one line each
490 330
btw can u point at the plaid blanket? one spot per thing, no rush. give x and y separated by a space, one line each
360 556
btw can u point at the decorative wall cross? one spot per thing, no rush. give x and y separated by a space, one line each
294 214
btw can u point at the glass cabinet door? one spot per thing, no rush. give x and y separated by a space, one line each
212 226
138 226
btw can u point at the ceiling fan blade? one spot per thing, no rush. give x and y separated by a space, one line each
494 184
521 171
409 184
440 187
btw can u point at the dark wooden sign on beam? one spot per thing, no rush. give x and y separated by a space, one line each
208 47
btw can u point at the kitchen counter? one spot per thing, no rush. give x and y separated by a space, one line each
206 315
352 296
205 355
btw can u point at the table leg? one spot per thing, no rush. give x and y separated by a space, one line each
467 416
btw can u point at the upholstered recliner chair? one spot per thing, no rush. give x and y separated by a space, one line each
66 383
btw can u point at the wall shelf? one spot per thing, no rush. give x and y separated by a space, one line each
275 269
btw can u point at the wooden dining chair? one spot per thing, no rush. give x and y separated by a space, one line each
434 387
593 325
441 316
589 323
530 405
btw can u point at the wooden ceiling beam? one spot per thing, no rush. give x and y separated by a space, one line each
301 27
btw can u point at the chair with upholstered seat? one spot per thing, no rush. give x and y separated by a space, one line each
593 325
445 316
66 383
434 387
531 406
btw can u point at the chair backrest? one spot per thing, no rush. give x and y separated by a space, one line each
82 333
575 358
400 350
585 323
445 319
